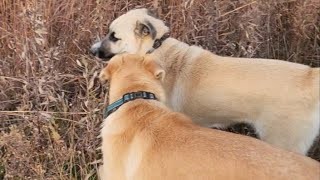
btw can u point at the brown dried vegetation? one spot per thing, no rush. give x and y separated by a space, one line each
50 99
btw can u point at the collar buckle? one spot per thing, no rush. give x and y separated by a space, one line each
157 43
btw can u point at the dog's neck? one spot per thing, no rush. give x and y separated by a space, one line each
134 111
174 57
116 94
170 46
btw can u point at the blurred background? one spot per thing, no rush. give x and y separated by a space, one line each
51 100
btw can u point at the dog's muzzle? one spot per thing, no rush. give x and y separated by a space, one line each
103 55
100 52
94 48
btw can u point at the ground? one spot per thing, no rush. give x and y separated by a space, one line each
51 100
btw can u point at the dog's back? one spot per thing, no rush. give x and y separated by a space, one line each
178 149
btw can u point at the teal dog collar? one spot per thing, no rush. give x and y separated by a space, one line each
126 98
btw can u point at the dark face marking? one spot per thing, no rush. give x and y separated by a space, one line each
104 51
112 37
145 29
152 30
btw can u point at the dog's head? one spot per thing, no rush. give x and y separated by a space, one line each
131 72
134 32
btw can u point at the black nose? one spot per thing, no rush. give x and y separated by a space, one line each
104 55
101 54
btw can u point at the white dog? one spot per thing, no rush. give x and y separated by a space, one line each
280 99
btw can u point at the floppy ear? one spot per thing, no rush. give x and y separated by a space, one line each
111 67
105 74
155 69
145 29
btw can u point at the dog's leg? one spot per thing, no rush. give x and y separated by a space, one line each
243 129
294 133
101 173
218 126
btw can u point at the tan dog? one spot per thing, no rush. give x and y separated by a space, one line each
280 99
143 139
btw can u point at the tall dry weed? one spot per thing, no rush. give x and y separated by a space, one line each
50 99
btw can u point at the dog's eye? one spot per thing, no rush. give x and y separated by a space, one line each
113 38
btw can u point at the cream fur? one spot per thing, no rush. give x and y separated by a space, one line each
280 99
145 140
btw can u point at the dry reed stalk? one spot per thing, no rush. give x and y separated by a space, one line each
51 101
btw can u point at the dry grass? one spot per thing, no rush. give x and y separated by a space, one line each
51 100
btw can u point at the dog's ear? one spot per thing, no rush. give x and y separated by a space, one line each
155 69
153 13
145 29
106 73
